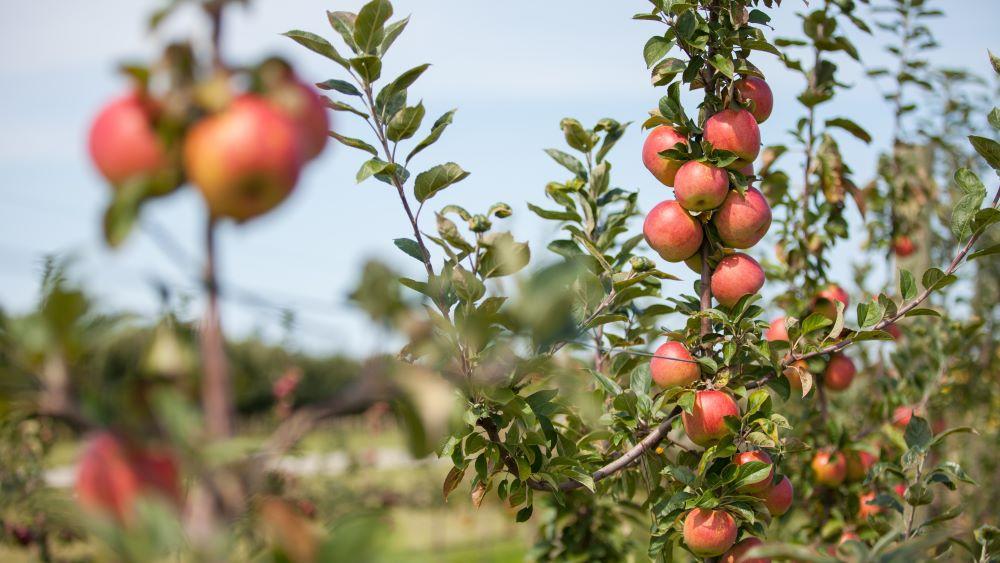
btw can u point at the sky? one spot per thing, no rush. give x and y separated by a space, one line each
513 69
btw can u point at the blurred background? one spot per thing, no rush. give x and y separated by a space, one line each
512 69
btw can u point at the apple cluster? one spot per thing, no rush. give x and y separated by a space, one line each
710 206
242 150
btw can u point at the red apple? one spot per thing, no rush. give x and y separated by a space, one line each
742 220
903 246
900 489
709 533
902 415
706 423
660 139
794 380
829 468
839 372
756 455
735 276
894 331
858 464
738 553
779 498
755 90
244 160
124 144
824 301
865 510
848 536
305 107
671 232
777 330
700 186
736 131
670 372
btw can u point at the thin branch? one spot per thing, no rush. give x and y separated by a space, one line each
216 392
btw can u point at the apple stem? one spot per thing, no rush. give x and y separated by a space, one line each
215 387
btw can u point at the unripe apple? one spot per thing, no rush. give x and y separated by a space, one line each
756 455
824 301
829 468
839 372
672 232
736 131
673 373
858 464
125 146
779 498
700 186
244 160
865 510
735 276
903 246
706 423
660 139
742 220
777 330
755 90
738 553
709 533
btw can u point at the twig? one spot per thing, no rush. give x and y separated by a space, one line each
216 386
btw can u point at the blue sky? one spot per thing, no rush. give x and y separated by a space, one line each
513 69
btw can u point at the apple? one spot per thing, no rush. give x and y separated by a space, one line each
672 373
738 552
779 498
777 330
245 160
794 380
709 533
672 232
848 536
894 331
735 276
858 464
660 139
755 90
300 102
742 220
839 372
902 415
762 485
706 424
736 131
865 510
111 476
700 187
125 146
903 246
824 301
829 468
900 489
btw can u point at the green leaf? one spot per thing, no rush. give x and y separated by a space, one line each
988 149
974 192
934 279
439 126
341 106
988 251
370 168
907 285
405 123
569 162
354 143
430 182
656 48
722 64
813 322
399 84
576 136
369 67
368 28
609 386
452 480
392 31
640 379
994 118
554 215
871 315
957 430
410 247
341 86
666 70
343 23
922 312
317 44
851 127
918 433
122 213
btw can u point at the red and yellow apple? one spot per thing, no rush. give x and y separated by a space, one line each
779 498
738 553
673 366
735 276
858 464
672 232
124 144
660 139
777 330
244 160
736 131
742 220
700 187
706 424
864 509
755 90
824 301
709 533
839 372
761 456
903 246
829 468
